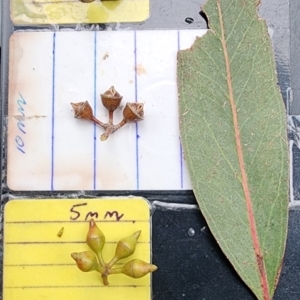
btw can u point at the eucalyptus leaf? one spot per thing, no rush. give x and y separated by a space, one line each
233 132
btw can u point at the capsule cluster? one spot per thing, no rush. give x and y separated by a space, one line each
88 261
111 100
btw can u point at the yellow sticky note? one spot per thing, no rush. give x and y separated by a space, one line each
37 262
73 11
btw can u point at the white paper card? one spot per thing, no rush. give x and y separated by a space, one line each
48 149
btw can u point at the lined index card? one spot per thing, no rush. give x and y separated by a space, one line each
48 149
37 262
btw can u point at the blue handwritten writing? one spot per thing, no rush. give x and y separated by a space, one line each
21 124
20 107
20 144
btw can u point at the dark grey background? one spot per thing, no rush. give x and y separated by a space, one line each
191 265
295 57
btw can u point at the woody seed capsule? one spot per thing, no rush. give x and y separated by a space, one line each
137 268
82 110
133 112
111 99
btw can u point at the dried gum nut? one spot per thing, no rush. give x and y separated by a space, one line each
133 112
111 99
82 110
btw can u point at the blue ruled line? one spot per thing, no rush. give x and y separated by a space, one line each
53 110
136 124
181 152
95 106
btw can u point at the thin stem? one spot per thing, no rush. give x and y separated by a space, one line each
101 269
118 126
100 259
110 116
104 272
105 280
95 120
107 133
115 271
112 262
110 129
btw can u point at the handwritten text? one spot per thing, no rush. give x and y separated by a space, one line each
76 212
19 139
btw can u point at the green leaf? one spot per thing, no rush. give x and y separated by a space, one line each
233 131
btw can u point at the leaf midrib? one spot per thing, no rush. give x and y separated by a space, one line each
254 233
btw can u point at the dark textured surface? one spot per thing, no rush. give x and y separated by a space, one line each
192 266
288 287
295 57
296 173
294 107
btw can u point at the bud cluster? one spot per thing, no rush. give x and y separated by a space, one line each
93 261
111 100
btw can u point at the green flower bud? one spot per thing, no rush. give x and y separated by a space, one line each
95 237
126 246
86 261
137 268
